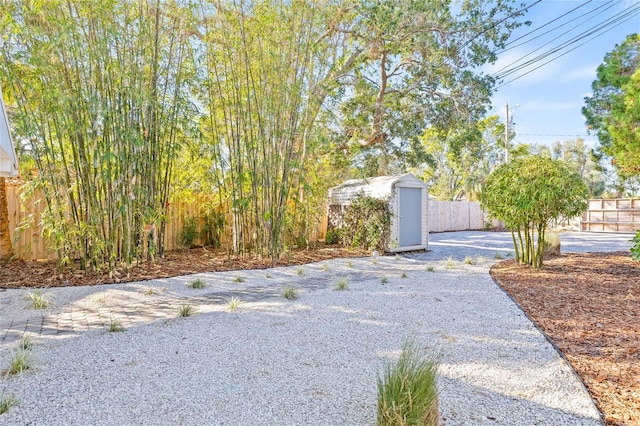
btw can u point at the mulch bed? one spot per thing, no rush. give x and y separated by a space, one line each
589 305
16 274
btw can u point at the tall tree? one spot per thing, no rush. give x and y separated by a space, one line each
460 160
99 88
419 68
613 110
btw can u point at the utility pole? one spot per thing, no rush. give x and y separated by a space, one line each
506 136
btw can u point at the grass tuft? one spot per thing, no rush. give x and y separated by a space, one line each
384 280
37 299
431 269
342 284
374 262
238 279
185 310
198 284
469 260
267 275
6 402
349 264
151 291
115 326
481 259
234 303
498 256
300 271
21 360
407 393
403 275
25 343
325 267
289 293
449 262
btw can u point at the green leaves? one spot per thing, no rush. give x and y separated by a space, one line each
527 195
613 110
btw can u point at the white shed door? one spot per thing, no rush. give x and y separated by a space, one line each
410 220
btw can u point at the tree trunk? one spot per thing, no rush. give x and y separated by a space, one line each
5 237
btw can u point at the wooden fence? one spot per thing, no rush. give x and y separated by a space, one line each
616 215
30 244
456 216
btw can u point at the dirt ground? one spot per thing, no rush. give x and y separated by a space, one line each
589 305
16 274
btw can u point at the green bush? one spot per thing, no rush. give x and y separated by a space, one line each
332 237
366 223
189 232
407 393
635 249
527 195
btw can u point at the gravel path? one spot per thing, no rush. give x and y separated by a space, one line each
311 361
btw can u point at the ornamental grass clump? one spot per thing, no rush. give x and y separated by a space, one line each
6 402
407 393
37 299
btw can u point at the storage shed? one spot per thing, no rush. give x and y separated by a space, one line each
408 204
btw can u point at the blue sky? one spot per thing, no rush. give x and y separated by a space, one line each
546 103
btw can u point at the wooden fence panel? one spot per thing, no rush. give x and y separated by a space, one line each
612 215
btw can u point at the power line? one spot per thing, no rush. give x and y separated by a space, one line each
595 31
512 45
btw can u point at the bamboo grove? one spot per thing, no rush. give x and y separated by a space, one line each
251 108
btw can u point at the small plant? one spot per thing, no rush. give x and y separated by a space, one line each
384 280
498 256
20 361
234 303
6 402
300 272
289 293
469 260
151 291
115 326
25 343
325 267
332 237
635 248
349 264
189 232
267 275
481 259
449 262
403 275
185 310
396 256
198 284
374 262
342 284
552 244
430 269
407 393
238 279
37 299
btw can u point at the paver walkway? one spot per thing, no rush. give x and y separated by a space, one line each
131 307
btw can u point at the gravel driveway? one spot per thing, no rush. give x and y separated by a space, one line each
310 361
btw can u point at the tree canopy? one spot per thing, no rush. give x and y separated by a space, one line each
613 111
527 194
254 108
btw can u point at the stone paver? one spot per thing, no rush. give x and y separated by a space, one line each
454 245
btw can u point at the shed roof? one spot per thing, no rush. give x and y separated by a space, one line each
378 187
8 160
